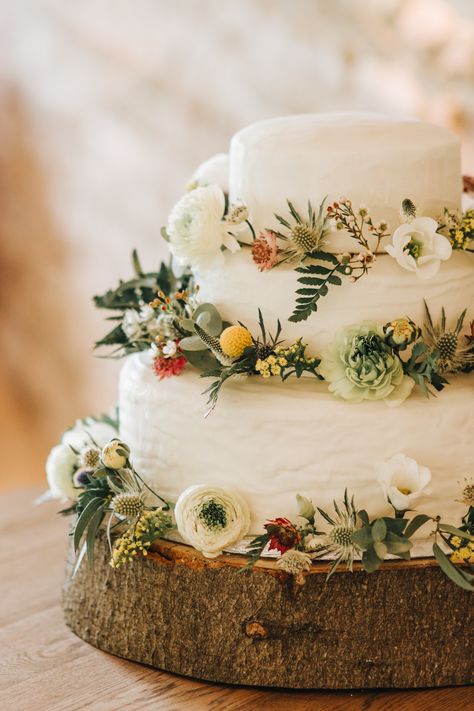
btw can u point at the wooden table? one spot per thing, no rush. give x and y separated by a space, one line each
44 667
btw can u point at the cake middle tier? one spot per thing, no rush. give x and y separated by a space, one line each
272 440
239 289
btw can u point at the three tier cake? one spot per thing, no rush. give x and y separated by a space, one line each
320 292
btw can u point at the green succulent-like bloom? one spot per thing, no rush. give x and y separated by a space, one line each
400 333
359 365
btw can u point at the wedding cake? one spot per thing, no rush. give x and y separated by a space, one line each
296 404
322 278
272 440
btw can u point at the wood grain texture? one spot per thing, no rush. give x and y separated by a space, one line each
44 667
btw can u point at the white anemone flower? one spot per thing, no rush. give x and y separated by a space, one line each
67 457
60 467
197 229
419 248
210 518
403 480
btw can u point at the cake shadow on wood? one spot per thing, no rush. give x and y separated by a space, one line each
404 626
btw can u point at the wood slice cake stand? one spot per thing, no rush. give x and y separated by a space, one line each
405 626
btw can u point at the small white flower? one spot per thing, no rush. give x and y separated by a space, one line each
294 562
170 349
197 230
115 454
132 324
419 248
403 480
60 467
210 518
237 214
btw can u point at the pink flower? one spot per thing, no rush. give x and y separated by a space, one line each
265 250
166 367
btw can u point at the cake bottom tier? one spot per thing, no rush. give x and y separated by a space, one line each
272 440
405 625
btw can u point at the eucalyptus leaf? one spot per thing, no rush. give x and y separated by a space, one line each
92 531
85 518
415 523
455 531
379 530
460 578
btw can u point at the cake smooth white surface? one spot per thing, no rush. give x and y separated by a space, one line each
385 293
272 440
375 160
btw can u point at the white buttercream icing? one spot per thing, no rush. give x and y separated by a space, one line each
374 160
272 440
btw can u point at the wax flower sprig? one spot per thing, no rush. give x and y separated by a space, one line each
326 269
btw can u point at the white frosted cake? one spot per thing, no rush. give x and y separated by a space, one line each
271 440
298 388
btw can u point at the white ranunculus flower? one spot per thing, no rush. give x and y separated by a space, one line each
196 229
403 480
214 171
60 467
210 518
419 248
132 324
87 432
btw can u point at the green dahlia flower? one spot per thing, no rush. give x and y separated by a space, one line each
360 365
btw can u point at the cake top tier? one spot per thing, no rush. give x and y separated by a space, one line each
375 160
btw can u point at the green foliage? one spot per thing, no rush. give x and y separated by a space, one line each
459 576
384 536
316 280
422 366
132 294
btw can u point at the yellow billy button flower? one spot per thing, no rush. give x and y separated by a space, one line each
234 340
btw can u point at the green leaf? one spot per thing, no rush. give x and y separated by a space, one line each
397 544
370 560
79 559
415 523
333 279
455 531
92 531
379 530
363 516
363 537
84 519
313 269
380 549
460 578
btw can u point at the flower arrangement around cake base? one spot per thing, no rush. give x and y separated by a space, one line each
106 492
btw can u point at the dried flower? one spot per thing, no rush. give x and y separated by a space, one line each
467 495
89 457
234 340
400 333
265 250
166 367
283 534
455 355
129 506
294 562
139 537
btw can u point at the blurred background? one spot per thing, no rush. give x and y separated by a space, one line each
107 107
